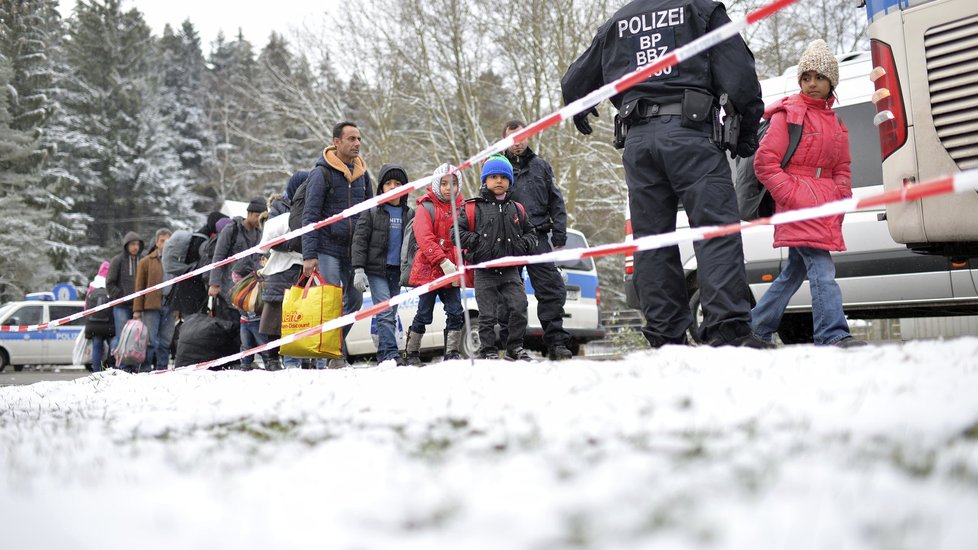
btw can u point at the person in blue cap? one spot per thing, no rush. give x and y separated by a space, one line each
493 225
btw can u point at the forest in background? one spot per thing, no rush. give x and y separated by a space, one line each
106 127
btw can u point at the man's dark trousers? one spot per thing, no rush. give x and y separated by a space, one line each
665 163
551 295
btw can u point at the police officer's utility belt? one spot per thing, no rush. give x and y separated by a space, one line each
641 110
696 109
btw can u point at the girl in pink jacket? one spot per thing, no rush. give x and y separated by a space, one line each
817 173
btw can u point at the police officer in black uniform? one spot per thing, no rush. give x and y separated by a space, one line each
673 152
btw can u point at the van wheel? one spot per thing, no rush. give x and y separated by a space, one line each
4 360
696 309
797 328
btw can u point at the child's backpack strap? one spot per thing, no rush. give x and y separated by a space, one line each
470 214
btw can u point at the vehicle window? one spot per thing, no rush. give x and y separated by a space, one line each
584 264
4 310
864 144
58 312
27 315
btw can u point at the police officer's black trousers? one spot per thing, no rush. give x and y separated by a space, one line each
665 163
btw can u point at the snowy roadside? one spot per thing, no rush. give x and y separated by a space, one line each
680 448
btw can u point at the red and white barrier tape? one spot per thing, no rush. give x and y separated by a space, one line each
607 91
959 183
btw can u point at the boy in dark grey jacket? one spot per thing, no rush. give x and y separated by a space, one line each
376 257
500 229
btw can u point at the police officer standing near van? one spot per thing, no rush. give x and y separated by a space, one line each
673 151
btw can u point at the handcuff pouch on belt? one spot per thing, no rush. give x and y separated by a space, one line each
699 108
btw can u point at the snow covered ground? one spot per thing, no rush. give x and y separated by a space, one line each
798 448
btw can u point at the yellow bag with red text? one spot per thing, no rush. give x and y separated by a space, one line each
307 306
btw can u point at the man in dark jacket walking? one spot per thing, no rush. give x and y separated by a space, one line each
534 188
377 257
338 181
121 281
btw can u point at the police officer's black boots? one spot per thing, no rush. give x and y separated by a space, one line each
559 352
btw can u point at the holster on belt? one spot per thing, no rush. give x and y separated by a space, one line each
626 116
699 108
621 131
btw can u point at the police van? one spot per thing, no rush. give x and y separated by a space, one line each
581 313
879 277
51 346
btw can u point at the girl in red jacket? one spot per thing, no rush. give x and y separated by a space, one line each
817 173
436 257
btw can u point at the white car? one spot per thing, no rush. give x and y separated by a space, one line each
52 346
581 313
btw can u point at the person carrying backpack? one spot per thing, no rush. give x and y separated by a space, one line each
241 234
99 326
495 226
436 257
817 173
377 257
121 280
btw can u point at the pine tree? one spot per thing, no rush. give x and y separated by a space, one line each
183 106
16 224
29 47
102 133
231 111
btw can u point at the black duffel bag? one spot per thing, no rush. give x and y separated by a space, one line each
208 335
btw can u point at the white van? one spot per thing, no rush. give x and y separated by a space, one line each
53 346
926 52
581 313
879 277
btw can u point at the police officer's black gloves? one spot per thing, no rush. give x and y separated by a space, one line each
746 145
580 120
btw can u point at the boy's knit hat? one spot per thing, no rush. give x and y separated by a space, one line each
438 174
497 164
257 204
819 58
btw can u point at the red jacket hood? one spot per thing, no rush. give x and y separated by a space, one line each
795 106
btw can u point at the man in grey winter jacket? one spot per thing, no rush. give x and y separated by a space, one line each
240 234
121 280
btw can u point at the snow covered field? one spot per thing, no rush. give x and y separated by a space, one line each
799 448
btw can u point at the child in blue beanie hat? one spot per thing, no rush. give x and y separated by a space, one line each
497 165
498 228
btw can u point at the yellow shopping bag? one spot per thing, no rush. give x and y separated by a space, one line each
308 306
